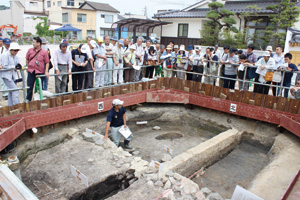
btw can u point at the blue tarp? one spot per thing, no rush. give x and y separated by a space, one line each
67 27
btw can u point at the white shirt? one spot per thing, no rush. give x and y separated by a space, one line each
279 60
62 58
218 53
269 67
109 46
197 58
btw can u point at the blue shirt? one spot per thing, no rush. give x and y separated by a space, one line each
116 118
288 75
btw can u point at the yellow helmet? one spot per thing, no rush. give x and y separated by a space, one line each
100 39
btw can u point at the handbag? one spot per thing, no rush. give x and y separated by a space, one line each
269 76
189 68
277 77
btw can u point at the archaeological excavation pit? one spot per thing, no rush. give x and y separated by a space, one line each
233 151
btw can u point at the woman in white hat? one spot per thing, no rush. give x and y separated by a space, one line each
10 60
180 63
264 65
169 61
129 61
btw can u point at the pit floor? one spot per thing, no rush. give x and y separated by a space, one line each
239 167
178 135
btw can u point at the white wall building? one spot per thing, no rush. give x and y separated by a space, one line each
188 22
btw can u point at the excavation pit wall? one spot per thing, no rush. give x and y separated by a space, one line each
155 114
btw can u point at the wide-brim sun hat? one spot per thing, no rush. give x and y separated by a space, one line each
133 47
169 48
266 53
14 46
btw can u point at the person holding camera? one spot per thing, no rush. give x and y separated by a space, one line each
10 60
37 60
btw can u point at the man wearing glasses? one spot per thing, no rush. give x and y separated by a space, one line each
37 60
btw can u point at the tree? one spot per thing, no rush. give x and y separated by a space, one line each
42 29
284 14
221 18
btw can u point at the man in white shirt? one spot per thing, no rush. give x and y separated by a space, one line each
4 49
62 63
100 57
197 64
217 51
264 65
279 61
109 47
139 59
88 77
118 59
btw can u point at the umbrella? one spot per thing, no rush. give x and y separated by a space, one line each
67 27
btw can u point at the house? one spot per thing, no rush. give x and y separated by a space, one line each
106 15
57 10
188 22
14 15
94 19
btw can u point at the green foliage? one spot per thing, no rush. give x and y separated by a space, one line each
43 29
215 5
209 37
284 15
221 19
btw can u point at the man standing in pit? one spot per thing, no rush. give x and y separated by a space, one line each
115 120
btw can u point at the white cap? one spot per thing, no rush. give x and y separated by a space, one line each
93 43
269 48
133 47
266 53
14 46
84 48
117 102
175 46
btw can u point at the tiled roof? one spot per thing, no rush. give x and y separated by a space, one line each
100 6
194 13
234 6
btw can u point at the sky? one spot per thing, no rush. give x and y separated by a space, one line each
138 6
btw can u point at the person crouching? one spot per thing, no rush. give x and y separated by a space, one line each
115 120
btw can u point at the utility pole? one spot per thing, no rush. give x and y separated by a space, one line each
145 11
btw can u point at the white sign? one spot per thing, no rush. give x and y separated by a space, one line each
125 131
169 150
100 106
233 107
143 122
242 194
81 177
156 165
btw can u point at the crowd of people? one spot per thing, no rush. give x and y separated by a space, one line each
109 61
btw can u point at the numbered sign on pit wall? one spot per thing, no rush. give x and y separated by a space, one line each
100 106
233 107
157 165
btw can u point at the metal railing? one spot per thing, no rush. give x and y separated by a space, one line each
215 75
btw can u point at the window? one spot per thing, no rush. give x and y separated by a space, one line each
106 32
53 3
59 3
109 18
91 33
81 17
183 30
70 2
102 16
65 17
48 4
33 4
